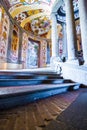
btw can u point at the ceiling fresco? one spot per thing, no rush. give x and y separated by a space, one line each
34 15
31 1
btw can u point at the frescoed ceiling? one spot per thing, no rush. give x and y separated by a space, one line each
34 15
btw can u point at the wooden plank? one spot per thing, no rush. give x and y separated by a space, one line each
36 115
39 119
44 111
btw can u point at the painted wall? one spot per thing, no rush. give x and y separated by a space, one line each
4 35
9 46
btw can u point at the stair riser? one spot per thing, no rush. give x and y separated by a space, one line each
13 101
17 82
29 77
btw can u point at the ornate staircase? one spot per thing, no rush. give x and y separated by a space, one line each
19 88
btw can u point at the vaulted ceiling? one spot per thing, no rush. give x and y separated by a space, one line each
34 15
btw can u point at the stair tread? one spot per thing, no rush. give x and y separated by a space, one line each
32 88
19 88
29 79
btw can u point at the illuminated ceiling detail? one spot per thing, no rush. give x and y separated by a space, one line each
29 13
40 25
31 17
13 1
17 10
49 2
33 1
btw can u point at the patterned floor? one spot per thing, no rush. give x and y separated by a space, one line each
36 115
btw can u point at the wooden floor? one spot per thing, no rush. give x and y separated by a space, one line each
36 115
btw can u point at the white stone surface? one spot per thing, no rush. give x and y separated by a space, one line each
83 24
54 36
75 72
71 32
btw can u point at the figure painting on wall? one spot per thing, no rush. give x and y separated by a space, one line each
24 49
0 21
3 35
14 47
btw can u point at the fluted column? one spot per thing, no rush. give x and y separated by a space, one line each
54 36
71 32
83 25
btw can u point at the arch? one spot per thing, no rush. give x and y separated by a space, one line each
24 8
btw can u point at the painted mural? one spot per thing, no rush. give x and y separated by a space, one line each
40 25
24 49
36 20
49 2
32 54
14 45
44 1
0 21
78 32
60 40
4 35
13 1
43 53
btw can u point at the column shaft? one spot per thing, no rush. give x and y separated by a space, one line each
71 32
54 36
64 41
83 25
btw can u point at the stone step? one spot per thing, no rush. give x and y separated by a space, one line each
19 88
30 76
27 73
15 96
19 82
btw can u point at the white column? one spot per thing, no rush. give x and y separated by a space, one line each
54 36
83 25
64 41
71 32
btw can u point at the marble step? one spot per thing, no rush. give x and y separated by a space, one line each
19 82
30 76
15 96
